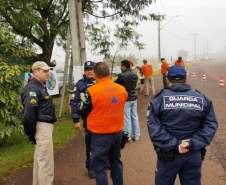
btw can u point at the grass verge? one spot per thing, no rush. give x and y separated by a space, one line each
18 152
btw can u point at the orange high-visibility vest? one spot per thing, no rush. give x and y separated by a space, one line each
164 67
180 63
108 100
147 70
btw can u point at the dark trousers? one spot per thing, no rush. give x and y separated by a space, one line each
106 151
187 166
88 136
164 80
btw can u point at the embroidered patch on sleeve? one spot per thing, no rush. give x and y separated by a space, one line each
33 101
32 94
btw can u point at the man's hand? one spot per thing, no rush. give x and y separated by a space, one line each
78 126
183 147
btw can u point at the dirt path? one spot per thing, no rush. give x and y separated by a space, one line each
139 158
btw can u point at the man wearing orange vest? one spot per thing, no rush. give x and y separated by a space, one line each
148 80
164 69
105 103
180 62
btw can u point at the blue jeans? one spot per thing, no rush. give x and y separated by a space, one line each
132 127
187 166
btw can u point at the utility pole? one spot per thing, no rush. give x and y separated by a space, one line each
160 27
77 32
195 46
159 38
68 53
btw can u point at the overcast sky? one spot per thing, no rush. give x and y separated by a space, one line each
207 18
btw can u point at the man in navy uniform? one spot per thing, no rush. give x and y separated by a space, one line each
181 124
38 120
81 87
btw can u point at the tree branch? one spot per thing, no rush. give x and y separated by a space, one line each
19 29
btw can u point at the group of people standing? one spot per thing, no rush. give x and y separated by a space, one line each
181 122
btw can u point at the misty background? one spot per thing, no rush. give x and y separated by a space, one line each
183 19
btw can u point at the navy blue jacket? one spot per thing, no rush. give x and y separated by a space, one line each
181 113
38 106
81 87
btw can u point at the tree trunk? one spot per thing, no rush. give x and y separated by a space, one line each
46 54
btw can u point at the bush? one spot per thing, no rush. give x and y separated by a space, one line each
10 103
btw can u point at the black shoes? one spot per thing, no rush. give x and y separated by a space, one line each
91 174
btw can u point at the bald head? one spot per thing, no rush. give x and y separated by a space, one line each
101 70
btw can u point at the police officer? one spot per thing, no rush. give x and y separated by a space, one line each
38 119
81 87
181 124
105 103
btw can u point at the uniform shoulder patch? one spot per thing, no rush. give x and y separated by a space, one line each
32 94
33 101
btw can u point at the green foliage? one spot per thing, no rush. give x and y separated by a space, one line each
42 22
11 50
10 106
39 21
18 151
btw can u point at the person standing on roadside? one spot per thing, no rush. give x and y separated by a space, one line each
180 62
105 103
147 71
181 124
128 79
38 120
164 69
81 87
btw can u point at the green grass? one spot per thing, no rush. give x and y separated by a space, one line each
18 152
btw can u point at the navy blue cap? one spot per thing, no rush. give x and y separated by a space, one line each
176 72
89 65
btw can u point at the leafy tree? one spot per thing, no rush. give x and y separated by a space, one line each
10 81
42 22
39 21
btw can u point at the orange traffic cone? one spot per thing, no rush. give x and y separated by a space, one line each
193 75
221 82
204 77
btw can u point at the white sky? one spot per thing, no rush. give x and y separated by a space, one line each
207 18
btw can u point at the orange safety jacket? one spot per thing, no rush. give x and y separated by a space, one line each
108 100
147 70
164 67
180 63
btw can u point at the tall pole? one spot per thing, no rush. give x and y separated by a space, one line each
68 53
159 39
81 33
73 13
195 46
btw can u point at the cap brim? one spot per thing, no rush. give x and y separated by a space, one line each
45 68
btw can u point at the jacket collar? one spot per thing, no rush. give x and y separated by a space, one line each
35 81
88 79
180 87
103 79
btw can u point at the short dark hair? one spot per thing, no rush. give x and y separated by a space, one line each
162 59
145 61
180 58
101 70
177 80
125 63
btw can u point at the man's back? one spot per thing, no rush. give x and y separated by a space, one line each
147 70
128 79
108 99
183 111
